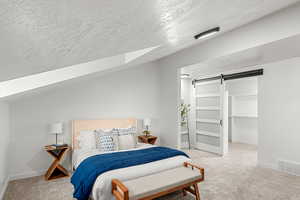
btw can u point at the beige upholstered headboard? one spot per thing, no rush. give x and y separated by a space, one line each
86 125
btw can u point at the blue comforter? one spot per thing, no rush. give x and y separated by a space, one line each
87 172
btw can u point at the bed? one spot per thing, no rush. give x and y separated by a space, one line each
101 189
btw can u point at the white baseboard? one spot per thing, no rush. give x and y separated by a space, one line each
274 167
268 166
27 174
4 188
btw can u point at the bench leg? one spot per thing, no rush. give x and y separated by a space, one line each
184 192
197 193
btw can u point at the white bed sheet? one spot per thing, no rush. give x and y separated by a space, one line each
102 186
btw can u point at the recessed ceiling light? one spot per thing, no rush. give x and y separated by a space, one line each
207 33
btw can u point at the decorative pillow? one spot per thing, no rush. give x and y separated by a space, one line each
128 131
107 140
127 141
87 140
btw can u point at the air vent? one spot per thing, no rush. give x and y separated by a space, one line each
289 167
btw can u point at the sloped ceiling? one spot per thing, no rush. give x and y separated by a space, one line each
42 35
250 58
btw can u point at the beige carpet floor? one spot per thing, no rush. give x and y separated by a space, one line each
233 177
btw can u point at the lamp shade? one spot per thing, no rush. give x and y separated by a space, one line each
147 122
56 128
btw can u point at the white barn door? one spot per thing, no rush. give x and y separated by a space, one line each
211 116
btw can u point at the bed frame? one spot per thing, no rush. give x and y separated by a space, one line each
88 125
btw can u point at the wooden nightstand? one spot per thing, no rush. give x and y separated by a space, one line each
148 139
56 170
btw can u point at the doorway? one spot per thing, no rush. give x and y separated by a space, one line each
222 113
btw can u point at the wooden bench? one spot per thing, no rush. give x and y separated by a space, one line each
183 178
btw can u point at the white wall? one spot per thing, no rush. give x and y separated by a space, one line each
271 28
279 111
129 93
186 85
4 145
169 104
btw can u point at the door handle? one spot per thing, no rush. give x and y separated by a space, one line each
221 122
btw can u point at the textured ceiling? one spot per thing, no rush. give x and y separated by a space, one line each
42 35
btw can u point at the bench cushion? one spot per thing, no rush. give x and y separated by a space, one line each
155 183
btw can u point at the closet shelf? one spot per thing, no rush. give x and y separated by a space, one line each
212 121
208 108
245 116
244 95
208 95
207 133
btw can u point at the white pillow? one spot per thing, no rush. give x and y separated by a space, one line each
87 140
126 142
128 131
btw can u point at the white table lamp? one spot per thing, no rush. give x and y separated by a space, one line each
57 129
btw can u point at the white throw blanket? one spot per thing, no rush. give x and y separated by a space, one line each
102 186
